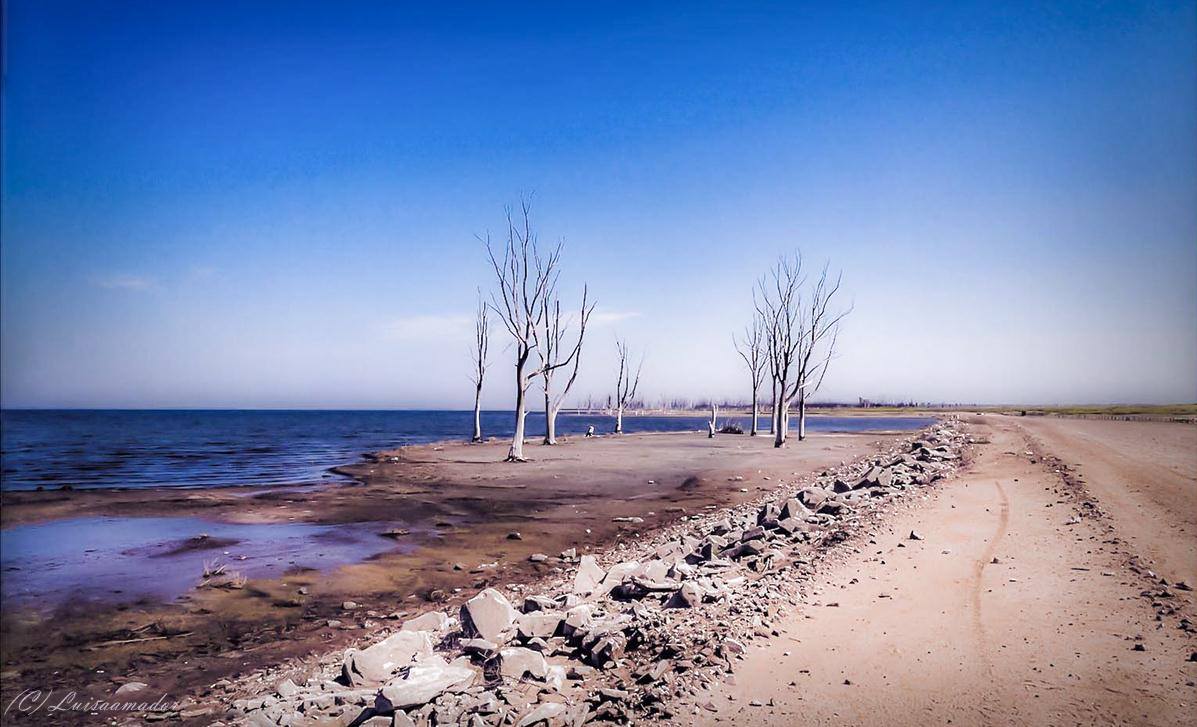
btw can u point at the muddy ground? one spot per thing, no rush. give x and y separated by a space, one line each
461 505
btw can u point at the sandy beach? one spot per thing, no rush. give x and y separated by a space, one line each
1008 591
1048 581
458 505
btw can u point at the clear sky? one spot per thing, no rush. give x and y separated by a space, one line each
275 204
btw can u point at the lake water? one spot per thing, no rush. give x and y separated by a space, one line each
120 560
109 559
190 448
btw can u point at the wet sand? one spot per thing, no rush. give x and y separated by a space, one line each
460 504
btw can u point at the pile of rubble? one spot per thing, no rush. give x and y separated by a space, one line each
643 637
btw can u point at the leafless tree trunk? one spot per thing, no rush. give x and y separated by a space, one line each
550 358
819 337
800 337
772 400
625 384
778 302
752 350
526 280
479 352
713 423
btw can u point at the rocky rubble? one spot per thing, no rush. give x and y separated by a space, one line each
643 637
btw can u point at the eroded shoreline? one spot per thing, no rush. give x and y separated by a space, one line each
660 626
605 646
570 497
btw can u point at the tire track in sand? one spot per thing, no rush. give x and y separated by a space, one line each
979 569
986 709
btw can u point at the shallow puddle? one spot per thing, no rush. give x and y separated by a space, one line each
119 560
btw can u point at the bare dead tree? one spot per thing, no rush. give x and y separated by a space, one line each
713 423
800 338
625 384
551 340
752 349
773 404
526 280
819 336
479 354
772 362
779 304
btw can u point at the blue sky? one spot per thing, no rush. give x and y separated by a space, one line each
275 204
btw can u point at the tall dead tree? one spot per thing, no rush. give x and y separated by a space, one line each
820 333
800 337
478 355
625 384
552 337
772 362
772 403
779 305
526 280
752 349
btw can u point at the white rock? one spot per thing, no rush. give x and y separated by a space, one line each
288 688
432 621
517 661
539 623
688 596
377 663
617 573
556 676
579 617
133 688
422 685
654 570
488 615
589 575
793 508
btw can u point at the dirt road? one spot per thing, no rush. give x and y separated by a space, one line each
1009 610
1144 474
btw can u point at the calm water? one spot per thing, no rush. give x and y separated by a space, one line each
125 559
218 448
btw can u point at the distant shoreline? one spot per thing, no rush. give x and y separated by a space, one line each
1175 409
191 450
